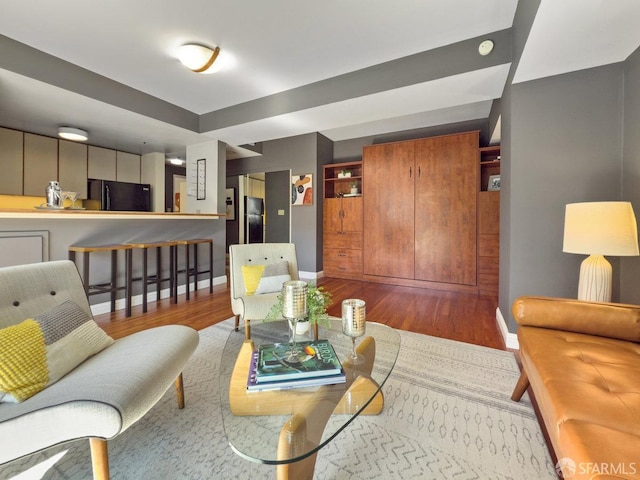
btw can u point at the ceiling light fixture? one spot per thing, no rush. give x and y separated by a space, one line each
175 161
75 134
198 58
485 48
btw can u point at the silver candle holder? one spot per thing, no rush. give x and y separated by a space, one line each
354 324
294 308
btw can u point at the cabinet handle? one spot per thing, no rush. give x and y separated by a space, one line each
410 172
419 171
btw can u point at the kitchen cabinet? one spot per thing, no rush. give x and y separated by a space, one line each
127 167
342 221
40 163
420 200
11 155
101 163
72 167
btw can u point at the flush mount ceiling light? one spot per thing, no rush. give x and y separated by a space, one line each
198 58
175 161
485 48
75 134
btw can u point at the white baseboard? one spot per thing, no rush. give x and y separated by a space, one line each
510 339
105 307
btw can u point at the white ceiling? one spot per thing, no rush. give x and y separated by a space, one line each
280 45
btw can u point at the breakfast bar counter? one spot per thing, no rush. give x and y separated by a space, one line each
29 235
69 214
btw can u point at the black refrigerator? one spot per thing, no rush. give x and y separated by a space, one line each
119 196
253 219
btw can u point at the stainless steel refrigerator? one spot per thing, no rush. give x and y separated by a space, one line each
253 219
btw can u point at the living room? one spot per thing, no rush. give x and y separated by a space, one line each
567 133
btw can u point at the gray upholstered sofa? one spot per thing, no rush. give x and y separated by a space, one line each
106 393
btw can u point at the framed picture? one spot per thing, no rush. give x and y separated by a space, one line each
494 183
302 189
231 203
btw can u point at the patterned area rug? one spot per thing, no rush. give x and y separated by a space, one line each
447 415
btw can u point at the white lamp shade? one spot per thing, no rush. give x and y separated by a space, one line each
602 228
198 58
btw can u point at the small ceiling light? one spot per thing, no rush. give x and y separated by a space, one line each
198 58
485 48
75 134
175 161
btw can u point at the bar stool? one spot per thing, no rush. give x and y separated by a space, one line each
193 271
112 286
157 277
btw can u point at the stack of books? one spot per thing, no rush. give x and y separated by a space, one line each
270 370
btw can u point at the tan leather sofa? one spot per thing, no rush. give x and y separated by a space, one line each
582 362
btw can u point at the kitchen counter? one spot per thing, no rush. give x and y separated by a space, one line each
71 214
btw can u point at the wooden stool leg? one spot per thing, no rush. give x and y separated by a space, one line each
159 273
145 278
186 268
173 274
114 278
85 272
99 458
128 255
210 267
195 267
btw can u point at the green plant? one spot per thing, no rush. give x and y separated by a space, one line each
318 300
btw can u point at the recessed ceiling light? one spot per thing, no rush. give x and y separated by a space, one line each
485 48
75 134
198 58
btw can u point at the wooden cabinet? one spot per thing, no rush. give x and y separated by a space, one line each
101 163
420 212
11 155
127 167
488 223
72 167
342 222
40 163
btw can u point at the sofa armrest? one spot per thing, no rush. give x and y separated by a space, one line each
613 320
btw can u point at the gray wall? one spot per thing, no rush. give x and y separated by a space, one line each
300 154
565 147
630 266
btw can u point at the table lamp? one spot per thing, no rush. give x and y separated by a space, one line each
597 229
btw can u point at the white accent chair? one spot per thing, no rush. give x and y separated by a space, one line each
105 394
255 307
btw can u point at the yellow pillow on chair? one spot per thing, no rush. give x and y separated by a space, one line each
259 279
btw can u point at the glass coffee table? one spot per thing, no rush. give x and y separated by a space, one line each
287 427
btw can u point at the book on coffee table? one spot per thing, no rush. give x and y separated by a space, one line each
254 386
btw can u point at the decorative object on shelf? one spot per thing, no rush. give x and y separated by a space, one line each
494 183
74 134
354 325
344 174
294 308
302 189
354 188
597 229
231 203
73 196
198 58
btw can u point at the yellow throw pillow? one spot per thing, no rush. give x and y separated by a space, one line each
252 275
40 351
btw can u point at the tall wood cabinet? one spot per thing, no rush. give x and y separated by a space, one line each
489 222
420 212
342 221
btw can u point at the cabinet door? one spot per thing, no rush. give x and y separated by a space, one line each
40 163
102 163
128 167
388 210
352 214
332 215
11 155
445 209
72 165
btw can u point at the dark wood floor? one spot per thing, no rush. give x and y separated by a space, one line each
457 316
